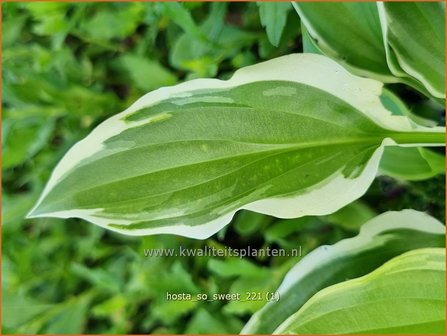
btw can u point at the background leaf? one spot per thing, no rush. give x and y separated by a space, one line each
406 295
22 139
273 18
380 239
412 164
147 74
349 33
352 216
422 55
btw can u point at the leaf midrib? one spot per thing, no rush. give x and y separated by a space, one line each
227 200
286 148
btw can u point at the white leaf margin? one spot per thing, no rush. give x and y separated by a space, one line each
324 198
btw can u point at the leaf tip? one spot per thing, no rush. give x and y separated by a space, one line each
33 213
37 211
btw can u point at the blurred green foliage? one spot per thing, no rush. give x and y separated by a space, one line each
69 66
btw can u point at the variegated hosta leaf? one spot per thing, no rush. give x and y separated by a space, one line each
414 34
396 106
273 17
348 32
404 296
309 45
380 239
294 136
411 163
392 42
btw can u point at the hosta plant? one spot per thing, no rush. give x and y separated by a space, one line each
294 136
298 135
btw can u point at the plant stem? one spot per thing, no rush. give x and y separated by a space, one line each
432 138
